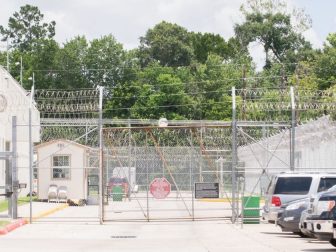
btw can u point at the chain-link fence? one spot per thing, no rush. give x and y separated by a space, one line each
271 131
263 138
183 155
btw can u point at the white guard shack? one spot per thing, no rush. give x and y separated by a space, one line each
315 151
15 101
63 163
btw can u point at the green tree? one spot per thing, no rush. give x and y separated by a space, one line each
161 93
26 28
325 64
41 61
267 22
167 43
216 78
207 43
105 61
71 71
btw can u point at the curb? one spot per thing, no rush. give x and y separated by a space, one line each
14 225
48 212
222 200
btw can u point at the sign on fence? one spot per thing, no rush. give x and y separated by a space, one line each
206 190
160 188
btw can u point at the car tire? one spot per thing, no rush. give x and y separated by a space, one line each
333 242
302 235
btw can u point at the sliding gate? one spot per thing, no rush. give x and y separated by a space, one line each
150 173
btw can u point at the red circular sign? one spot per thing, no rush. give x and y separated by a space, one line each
160 188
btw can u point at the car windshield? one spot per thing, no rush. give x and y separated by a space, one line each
293 185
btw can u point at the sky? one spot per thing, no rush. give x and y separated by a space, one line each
128 20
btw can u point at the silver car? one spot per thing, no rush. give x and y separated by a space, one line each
286 187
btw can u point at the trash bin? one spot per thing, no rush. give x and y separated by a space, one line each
251 210
117 193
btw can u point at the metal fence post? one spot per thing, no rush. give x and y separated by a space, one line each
234 154
101 173
15 182
191 170
31 154
147 181
129 161
292 133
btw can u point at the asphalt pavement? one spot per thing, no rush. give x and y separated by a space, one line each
72 229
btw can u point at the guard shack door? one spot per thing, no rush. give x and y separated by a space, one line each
93 189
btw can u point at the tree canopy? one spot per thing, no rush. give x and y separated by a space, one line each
174 73
267 23
26 28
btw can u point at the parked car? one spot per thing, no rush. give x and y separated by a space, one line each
289 216
322 222
287 187
120 182
303 224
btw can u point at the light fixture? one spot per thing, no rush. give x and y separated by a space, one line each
163 122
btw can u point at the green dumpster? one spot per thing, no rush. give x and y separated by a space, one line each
251 210
117 193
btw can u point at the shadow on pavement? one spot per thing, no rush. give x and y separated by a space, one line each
279 233
318 250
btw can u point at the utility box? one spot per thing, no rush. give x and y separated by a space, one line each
251 210
126 172
117 193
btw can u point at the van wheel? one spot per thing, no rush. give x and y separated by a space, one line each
333 242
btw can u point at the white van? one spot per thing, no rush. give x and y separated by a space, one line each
286 187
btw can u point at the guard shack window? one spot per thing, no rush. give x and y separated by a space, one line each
61 167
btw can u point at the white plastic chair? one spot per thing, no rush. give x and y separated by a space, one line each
62 194
52 193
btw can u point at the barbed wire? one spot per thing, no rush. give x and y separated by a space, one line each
229 64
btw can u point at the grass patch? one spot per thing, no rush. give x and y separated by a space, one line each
21 201
4 223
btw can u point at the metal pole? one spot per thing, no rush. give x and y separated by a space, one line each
9 183
130 186
190 161
100 130
193 203
31 157
221 176
147 192
192 175
201 156
292 140
234 154
220 161
15 181
242 204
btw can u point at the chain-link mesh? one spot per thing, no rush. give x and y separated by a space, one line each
194 151
182 155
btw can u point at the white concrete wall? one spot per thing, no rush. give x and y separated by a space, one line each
76 185
14 101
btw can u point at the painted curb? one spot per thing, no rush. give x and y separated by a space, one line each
223 200
14 225
11 226
48 212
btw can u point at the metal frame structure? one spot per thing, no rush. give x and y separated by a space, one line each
62 116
